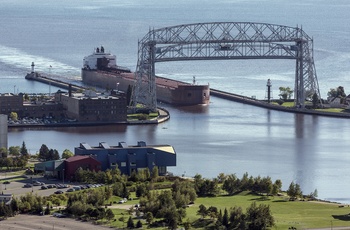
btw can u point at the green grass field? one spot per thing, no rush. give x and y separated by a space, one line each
300 214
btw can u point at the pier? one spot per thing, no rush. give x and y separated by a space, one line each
266 105
54 82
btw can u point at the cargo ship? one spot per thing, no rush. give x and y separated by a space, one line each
100 69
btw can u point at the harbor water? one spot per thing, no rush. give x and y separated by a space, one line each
224 136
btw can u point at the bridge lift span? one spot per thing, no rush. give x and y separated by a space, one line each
224 41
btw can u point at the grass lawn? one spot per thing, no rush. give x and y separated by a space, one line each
288 104
333 110
300 214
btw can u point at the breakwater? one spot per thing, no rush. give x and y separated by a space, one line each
51 81
265 104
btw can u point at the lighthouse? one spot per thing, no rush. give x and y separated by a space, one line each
32 67
269 84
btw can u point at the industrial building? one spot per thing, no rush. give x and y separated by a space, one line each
130 158
83 107
11 103
92 106
127 158
37 109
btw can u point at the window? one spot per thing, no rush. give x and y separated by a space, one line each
123 164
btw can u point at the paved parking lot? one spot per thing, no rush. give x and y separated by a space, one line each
26 222
16 187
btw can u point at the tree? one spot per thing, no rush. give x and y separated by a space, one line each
278 184
231 184
237 218
332 93
24 151
26 97
266 185
206 187
259 217
294 191
141 189
338 92
221 177
149 218
3 152
225 219
67 154
14 116
53 155
47 209
130 224
202 211
155 173
285 93
109 214
187 224
14 150
43 153
8 162
213 212
139 224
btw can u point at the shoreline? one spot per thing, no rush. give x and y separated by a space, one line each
164 115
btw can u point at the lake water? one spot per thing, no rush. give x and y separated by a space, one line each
223 137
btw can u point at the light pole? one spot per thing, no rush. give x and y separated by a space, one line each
31 178
5 179
331 224
117 87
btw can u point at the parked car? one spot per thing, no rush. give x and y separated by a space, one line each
44 187
76 188
70 190
58 215
6 182
59 185
59 192
36 183
27 186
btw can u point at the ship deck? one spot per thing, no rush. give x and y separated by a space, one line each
160 81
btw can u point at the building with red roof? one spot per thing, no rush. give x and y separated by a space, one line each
72 164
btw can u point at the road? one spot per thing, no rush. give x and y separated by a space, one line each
27 222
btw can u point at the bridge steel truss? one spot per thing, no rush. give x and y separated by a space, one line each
224 41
